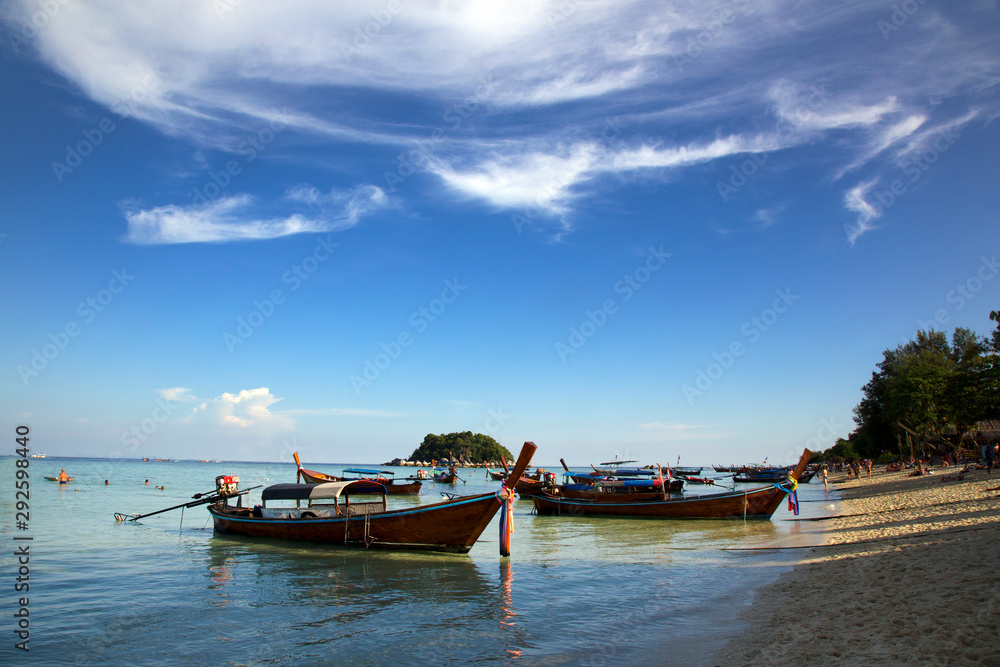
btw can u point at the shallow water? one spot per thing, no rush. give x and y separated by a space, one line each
576 591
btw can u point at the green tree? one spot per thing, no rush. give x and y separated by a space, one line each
475 447
932 386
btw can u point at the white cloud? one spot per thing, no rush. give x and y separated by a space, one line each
232 219
646 157
767 217
177 394
548 181
856 201
250 408
694 81
523 180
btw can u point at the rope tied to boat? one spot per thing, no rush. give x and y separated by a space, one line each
505 497
793 496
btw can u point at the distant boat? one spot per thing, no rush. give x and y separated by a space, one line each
204 461
145 458
37 455
376 478
450 526
698 480
449 476
162 460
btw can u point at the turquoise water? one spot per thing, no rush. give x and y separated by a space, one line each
576 591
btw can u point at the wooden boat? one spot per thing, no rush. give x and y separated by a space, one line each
452 526
615 469
760 476
690 479
497 476
56 479
528 484
770 475
617 490
449 476
685 472
377 479
592 479
384 477
753 503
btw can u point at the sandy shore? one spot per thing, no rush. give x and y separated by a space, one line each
912 577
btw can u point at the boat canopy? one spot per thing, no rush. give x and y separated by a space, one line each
634 472
326 491
368 471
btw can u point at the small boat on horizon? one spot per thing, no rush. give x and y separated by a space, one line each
37 455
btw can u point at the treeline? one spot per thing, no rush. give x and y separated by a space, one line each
473 447
930 388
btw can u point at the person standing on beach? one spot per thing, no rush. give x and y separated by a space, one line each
826 480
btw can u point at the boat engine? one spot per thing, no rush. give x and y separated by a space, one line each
227 485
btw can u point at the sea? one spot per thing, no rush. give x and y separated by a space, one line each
167 591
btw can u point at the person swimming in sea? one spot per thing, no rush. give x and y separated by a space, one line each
63 477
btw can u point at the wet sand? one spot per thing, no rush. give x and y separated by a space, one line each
913 576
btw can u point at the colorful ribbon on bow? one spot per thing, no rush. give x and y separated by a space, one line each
793 496
505 497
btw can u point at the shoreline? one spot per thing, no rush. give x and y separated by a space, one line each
907 572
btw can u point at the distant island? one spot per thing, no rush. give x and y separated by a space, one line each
457 449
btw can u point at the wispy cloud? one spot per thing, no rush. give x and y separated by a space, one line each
694 81
233 218
177 394
856 200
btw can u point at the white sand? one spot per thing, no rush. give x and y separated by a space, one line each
922 587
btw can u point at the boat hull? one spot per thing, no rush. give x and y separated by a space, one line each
757 503
452 526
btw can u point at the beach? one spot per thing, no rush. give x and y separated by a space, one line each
907 573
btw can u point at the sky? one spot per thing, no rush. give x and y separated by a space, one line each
660 231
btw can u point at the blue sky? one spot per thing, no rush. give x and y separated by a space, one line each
647 230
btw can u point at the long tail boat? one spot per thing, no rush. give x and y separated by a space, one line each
527 484
451 526
449 476
377 479
751 503
633 484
